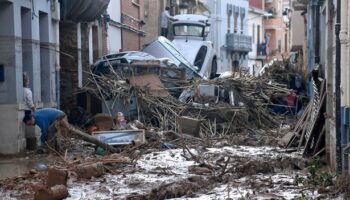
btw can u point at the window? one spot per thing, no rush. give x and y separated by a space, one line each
136 2
285 42
242 21
235 23
146 8
242 14
2 73
189 30
279 45
200 57
258 34
229 22
253 35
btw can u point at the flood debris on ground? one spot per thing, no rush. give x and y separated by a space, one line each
224 138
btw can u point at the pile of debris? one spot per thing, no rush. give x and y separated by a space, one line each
190 115
171 103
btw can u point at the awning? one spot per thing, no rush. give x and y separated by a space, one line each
82 10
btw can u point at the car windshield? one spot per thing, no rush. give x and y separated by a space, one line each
130 56
189 30
139 56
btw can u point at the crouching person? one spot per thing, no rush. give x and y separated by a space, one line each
46 120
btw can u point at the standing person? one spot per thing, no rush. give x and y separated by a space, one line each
165 17
27 96
45 118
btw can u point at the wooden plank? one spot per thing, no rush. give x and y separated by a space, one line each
319 140
312 126
304 129
301 124
151 82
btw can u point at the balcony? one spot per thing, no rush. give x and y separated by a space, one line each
238 42
260 52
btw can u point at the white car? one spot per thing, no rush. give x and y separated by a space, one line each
190 34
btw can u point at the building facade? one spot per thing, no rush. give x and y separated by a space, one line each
229 33
132 19
114 31
256 19
323 55
297 32
30 44
83 39
276 30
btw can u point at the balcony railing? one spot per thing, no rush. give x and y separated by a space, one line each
237 42
261 51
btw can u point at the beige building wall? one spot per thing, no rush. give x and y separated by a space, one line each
297 30
277 29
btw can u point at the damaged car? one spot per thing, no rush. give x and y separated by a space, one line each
127 57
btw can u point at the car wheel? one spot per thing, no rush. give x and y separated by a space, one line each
214 68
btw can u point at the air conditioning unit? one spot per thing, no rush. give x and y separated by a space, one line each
55 10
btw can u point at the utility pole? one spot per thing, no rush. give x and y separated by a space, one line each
337 89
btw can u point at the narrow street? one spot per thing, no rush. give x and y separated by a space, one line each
164 99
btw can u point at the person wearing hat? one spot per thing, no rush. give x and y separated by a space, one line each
45 118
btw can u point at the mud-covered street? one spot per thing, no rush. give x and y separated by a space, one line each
174 99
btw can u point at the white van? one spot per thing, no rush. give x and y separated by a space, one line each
163 48
190 38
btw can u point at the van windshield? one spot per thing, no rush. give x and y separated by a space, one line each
175 52
189 30
191 71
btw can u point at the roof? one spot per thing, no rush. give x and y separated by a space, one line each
82 10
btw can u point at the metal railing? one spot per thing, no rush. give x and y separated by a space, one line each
238 42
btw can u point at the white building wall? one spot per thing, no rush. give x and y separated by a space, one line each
114 31
219 18
22 50
255 20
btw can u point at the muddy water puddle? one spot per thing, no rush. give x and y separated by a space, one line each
18 166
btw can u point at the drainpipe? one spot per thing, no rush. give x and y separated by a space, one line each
337 89
344 51
317 33
121 28
311 27
348 57
80 65
58 66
